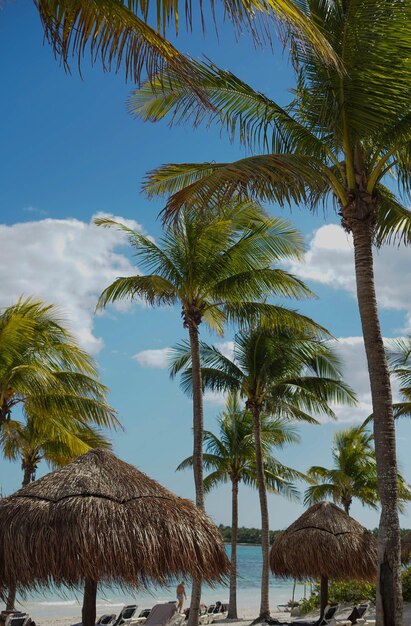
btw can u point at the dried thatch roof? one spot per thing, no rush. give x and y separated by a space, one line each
325 542
102 519
406 547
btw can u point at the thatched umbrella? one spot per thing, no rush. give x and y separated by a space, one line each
100 520
406 547
325 543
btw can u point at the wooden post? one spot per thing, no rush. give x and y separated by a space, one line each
323 595
88 612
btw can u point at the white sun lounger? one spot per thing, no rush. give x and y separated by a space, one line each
163 615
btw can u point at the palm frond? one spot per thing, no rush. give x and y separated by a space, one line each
280 178
393 219
260 283
154 290
271 316
257 121
113 31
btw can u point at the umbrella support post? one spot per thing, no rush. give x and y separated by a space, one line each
323 595
88 612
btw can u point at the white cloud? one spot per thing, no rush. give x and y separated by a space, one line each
215 398
66 262
330 261
352 352
226 348
157 359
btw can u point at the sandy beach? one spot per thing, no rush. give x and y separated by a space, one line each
51 617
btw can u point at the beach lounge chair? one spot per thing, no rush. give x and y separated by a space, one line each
142 617
126 615
355 617
164 614
17 619
328 617
217 612
106 620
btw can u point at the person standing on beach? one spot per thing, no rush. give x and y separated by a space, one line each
181 594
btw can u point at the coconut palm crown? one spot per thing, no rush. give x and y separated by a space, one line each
354 474
44 372
343 140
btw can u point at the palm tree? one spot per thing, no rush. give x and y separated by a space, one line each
284 373
230 457
339 139
354 474
217 269
118 32
56 442
43 370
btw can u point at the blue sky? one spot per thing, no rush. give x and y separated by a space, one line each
70 150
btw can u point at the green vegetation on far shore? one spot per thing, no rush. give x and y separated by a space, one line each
252 536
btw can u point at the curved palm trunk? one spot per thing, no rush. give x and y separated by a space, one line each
11 595
389 596
198 429
232 606
265 531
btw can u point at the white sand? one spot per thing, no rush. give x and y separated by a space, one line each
245 617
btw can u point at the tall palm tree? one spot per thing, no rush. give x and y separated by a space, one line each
51 440
43 370
339 139
354 474
230 457
217 269
118 31
284 373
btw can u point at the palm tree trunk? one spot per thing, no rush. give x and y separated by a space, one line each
11 599
323 594
11 595
232 606
27 476
198 429
88 613
389 596
346 502
265 531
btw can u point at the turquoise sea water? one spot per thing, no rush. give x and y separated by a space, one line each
111 600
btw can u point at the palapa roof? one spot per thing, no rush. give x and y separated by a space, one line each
406 547
101 518
325 541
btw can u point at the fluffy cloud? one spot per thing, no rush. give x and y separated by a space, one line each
66 262
157 359
330 261
352 353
